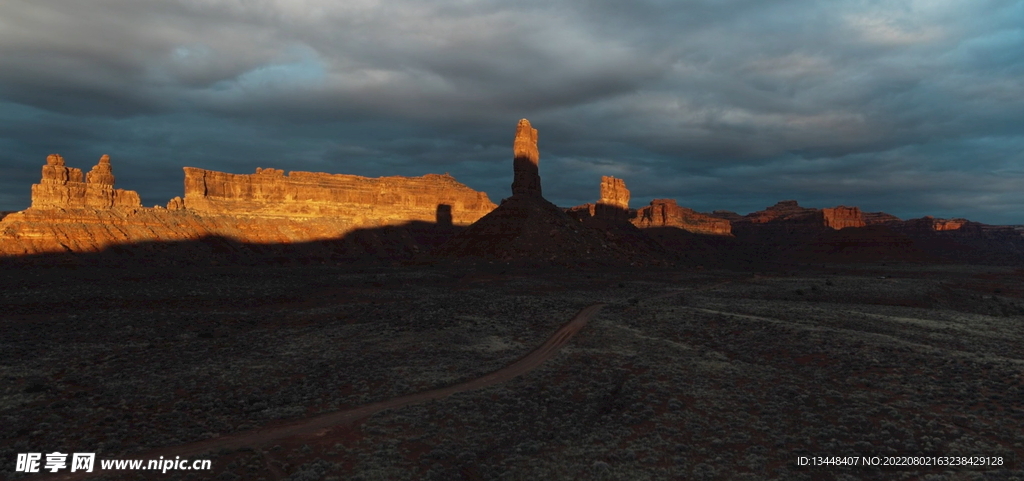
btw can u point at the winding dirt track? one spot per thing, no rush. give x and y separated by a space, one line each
321 423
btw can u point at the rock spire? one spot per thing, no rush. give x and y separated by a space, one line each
101 172
525 163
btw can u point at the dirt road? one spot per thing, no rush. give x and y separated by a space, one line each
322 423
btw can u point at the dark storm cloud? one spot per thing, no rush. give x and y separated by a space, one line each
913 108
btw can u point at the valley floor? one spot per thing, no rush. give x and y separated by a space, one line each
685 374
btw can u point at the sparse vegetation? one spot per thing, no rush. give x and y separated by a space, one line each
684 375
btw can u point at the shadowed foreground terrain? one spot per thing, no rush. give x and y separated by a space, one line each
685 374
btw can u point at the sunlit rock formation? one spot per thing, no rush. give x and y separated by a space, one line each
526 228
841 217
929 223
789 212
307 195
62 187
526 161
614 192
268 207
667 213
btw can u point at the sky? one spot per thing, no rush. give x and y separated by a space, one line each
911 107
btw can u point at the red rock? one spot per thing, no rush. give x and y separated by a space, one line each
614 192
931 224
786 210
62 187
526 161
789 212
267 207
667 213
526 228
841 217
363 201
101 173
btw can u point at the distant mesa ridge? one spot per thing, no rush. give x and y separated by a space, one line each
72 212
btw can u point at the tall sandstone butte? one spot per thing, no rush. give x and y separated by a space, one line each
527 228
614 192
268 207
526 161
614 201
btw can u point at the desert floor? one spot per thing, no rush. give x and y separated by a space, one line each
684 374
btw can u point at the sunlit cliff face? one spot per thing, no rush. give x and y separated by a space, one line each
526 162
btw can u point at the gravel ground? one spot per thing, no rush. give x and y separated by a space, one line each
693 374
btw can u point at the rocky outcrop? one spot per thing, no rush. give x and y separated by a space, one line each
612 204
841 217
62 187
614 192
527 229
791 213
101 173
363 201
786 210
931 224
526 161
667 213
268 207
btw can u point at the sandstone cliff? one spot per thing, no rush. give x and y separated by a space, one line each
667 213
614 192
931 224
789 212
841 217
786 210
68 215
363 201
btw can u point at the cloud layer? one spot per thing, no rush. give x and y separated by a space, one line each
912 108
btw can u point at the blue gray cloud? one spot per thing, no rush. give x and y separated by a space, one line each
909 107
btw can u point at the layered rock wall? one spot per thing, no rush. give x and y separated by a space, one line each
614 192
306 195
268 207
614 201
667 213
841 217
791 213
